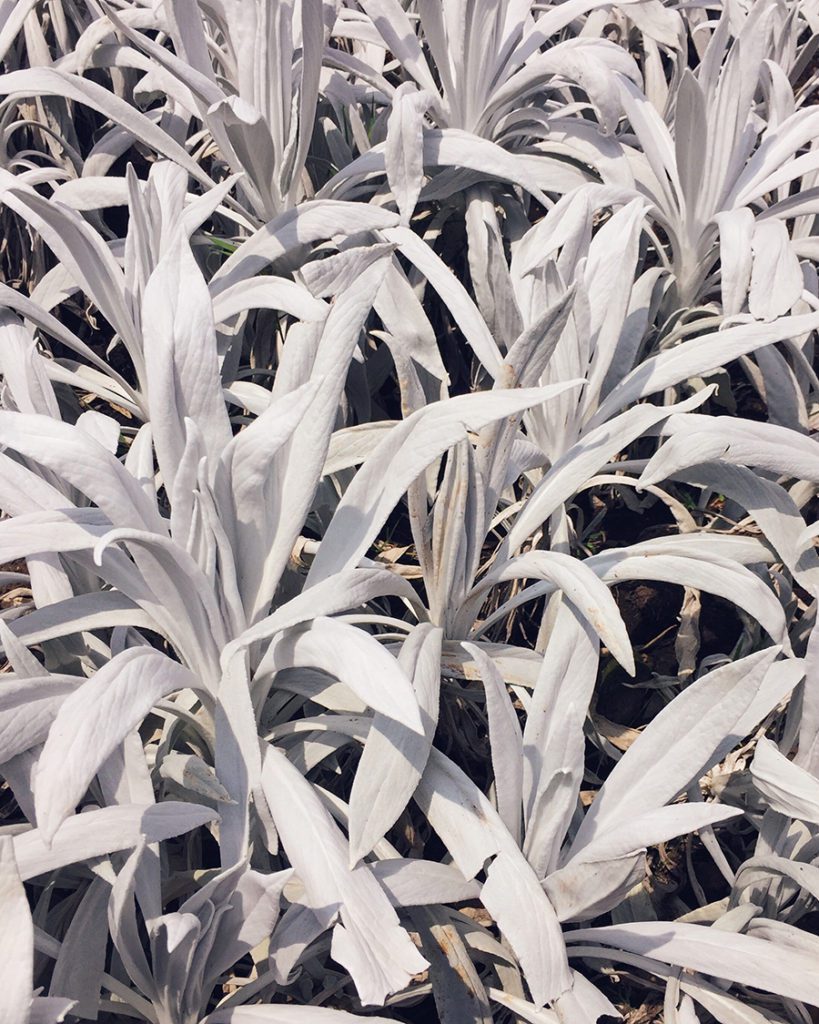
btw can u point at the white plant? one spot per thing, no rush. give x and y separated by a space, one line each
343 330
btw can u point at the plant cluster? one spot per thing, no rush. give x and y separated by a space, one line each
409 488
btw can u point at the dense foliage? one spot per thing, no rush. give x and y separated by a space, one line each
409 493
